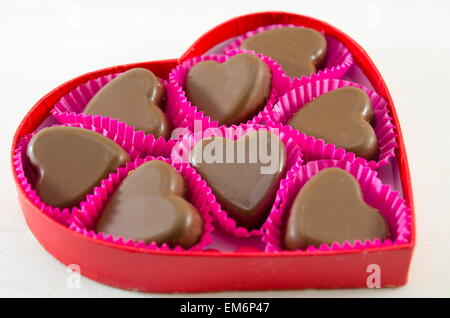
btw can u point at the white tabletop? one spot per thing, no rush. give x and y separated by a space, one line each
45 43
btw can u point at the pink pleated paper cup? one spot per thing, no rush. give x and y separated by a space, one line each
291 102
181 153
183 114
130 142
69 108
77 99
381 196
338 61
85 218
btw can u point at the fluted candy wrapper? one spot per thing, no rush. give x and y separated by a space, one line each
69 108
136 144
183 114
182 150
85 218
381 196
291 102
338 61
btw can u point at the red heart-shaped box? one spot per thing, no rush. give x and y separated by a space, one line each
245 269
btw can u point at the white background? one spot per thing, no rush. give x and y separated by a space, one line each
45 43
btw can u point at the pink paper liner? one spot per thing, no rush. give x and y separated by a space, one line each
85 218
306 91
77 99
181 151
136 144
339 58
69 107
183 113
375 193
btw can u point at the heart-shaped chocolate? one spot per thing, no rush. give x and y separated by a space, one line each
243 179
230 92
134 97
299 51
149 206
330 208
70 162
342 117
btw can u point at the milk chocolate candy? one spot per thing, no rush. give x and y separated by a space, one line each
330 208
243 182
341 117
149 206
70 162
230 92
134 97
299 51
